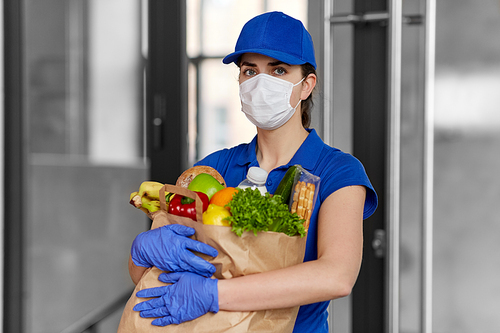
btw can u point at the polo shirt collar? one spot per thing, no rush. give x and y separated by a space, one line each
248 154
307 155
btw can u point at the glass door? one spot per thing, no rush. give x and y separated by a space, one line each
379 75
82 156
443 127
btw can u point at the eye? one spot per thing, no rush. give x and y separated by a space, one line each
249 72
280 71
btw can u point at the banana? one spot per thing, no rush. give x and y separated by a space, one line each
135 199
147 198
151 205
150 190
133 194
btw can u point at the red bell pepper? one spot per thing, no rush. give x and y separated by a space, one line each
177 207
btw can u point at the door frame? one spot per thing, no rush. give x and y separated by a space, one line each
166 90
14 168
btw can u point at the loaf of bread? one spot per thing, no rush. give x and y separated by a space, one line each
187 176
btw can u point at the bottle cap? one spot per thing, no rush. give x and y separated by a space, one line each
257 175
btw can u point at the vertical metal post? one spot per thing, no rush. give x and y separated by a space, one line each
394 158
2 174
428 166
14 167
328 73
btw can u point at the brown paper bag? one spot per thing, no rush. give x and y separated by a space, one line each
238 256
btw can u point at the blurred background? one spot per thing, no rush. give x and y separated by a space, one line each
100 95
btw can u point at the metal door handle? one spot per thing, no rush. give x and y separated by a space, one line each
379 243
159 110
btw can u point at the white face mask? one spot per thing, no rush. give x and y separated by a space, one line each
265 100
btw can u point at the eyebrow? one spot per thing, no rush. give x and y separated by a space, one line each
277 63
272 64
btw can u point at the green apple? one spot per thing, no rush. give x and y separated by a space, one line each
205 183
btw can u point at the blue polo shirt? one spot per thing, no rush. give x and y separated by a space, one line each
336 170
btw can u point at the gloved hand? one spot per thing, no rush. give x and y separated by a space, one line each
168 248
189 297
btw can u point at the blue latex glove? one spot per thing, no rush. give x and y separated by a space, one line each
189 297
168 248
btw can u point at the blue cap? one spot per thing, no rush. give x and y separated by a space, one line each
275 35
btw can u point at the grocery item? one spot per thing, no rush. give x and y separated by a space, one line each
303 197
286 184
256 178
177 207
252 211
216 215
187 176
222 197
148 197
205 183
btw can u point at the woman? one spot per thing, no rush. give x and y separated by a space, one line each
275 56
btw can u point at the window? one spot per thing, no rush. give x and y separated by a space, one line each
213 26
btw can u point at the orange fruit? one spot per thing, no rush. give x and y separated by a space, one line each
222 197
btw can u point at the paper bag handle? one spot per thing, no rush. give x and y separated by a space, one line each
185 192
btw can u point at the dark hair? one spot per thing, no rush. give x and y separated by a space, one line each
307 104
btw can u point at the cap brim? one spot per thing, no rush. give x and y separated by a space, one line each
281 56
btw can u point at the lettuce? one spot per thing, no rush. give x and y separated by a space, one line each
252 211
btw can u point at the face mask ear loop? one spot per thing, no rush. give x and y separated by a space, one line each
295 108
296 84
